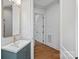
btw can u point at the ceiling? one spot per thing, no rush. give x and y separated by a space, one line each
43 3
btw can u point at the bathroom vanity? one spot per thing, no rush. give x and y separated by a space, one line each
18 50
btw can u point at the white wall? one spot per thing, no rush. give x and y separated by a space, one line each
6 40
69 27
16 19
27 19
39 10
52 26
27 22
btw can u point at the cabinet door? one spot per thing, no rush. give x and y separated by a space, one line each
69 28
24 53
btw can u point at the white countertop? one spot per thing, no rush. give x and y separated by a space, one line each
17 46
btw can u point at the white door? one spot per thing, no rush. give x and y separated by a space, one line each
68 29
38 27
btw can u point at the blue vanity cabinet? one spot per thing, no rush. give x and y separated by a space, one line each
24 53
8 55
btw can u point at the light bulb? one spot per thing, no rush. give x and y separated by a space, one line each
10 0
18 2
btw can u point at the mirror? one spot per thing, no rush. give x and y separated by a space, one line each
10 18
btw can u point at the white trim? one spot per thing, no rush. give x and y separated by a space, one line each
32 49
66 52
63 56
0 24
78 27
76 34
60 28
32 20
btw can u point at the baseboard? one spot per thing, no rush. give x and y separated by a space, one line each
52 47
49 46
63 56
67 53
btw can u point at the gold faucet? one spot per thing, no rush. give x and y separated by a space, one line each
14 37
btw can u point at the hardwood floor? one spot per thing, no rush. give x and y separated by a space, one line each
44 52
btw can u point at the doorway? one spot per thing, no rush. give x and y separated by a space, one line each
39 27
46 29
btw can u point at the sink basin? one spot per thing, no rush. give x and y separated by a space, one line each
17 46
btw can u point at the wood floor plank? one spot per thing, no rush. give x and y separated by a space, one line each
44 52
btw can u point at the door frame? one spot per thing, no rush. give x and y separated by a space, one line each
76 29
